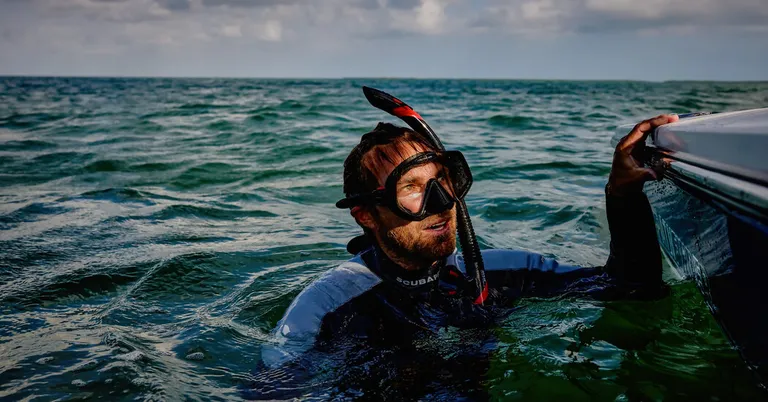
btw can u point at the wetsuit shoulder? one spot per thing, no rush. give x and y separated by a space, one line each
297 330
502 260
516 273
509 260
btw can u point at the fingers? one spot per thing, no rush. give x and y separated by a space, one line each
640 132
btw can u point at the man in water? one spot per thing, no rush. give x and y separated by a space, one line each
406 277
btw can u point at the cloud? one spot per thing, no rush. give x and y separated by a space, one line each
248 3
175 5
568 16
115 24
430 16
231 31
402 4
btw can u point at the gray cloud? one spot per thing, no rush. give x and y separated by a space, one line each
174 5
341 22
248 3
403 4
365 4
593 16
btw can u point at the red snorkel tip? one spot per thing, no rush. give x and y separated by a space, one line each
483 295
405 111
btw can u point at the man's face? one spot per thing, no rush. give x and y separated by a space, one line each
420 243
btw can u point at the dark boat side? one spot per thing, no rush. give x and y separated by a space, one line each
711 212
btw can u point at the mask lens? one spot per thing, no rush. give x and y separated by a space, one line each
449 170
412 185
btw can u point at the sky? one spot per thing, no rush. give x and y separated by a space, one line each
525 39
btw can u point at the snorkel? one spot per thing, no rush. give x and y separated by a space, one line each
473 260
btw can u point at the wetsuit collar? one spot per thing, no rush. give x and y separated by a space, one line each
416 281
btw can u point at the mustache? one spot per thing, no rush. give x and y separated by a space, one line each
445 216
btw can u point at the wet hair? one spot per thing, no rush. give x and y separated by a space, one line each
383 146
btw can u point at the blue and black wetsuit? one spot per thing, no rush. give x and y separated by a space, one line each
373 299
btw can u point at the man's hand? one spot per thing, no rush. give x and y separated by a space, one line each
627 172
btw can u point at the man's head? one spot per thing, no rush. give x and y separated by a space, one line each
412 244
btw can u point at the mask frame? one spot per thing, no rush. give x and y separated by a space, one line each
436 198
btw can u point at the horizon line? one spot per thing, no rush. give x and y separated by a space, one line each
374 78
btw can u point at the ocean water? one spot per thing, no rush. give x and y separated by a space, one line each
153 231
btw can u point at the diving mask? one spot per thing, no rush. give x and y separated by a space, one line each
424 184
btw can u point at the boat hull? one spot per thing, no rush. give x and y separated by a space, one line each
711 212
726 256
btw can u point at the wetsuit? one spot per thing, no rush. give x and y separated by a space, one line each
371 298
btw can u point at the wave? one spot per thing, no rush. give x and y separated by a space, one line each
301 150
82 284
188 277
500 209
59 159
30 213
156 166
517 122
106 166
688 105
116 165
560 216
597 115
291 105
189 109
22 121
208 174
27 145
546 169
221 125
263 115
202 106
200 212
120 195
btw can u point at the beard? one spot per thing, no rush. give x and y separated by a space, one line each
412 243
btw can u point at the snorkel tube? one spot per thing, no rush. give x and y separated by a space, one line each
473 260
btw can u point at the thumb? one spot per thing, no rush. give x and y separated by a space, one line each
649 174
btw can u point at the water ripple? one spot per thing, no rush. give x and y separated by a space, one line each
153 231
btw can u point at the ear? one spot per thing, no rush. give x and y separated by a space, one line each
364 218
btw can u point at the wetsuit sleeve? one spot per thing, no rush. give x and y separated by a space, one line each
514 274
313 310
635 254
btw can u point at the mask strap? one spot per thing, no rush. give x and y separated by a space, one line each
357 208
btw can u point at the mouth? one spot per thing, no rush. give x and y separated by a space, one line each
438 228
